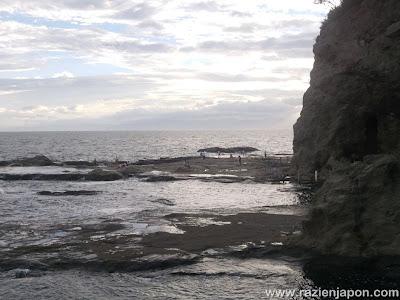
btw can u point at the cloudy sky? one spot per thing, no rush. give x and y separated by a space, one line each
154 64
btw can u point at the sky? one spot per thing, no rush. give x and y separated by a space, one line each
154 64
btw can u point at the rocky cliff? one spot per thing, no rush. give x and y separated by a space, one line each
349 130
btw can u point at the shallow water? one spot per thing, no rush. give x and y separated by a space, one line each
209 279
132 209
133 201
29 219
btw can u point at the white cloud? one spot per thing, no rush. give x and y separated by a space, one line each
64 74
92 59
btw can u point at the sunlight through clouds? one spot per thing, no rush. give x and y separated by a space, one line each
91 60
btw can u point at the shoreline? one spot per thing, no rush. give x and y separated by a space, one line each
183 238
225 236
224 169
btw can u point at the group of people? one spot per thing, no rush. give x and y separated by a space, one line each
203 156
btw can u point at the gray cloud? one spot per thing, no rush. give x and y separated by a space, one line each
71 91
286 42
297 23
137 12
27 44
210 6
250 27
227 115
80 4
181 52
236 78
134 47
245 28
272 93
240 14
293 101
237 115
150 24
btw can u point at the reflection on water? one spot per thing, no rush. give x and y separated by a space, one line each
209 279
28 216
125 211
134 145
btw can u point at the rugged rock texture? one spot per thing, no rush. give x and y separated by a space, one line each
36 161
69 193
103 175
349 130
244 149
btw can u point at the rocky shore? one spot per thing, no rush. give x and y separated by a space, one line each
224 169
349 132
101 247
113 244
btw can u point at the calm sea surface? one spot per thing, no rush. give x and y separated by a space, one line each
134 145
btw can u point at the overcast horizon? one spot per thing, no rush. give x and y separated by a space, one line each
154 65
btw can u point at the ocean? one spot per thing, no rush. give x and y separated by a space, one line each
135 145
118 243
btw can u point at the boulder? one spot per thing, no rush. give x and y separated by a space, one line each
36 161
99 174
22 273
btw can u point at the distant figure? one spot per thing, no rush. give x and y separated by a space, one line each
231 156
265 154
240 160
219 154
203 155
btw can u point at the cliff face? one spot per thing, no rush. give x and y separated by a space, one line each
349 130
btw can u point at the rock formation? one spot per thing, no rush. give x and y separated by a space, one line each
241 149
349 130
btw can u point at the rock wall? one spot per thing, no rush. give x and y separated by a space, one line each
349 130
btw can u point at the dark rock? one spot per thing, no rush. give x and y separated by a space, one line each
162 160
393 30
349 131
36 161
228 150
164 201
103 175
61 177
352 107
22 273
95 175
156 178
68 193
353 272
80 163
